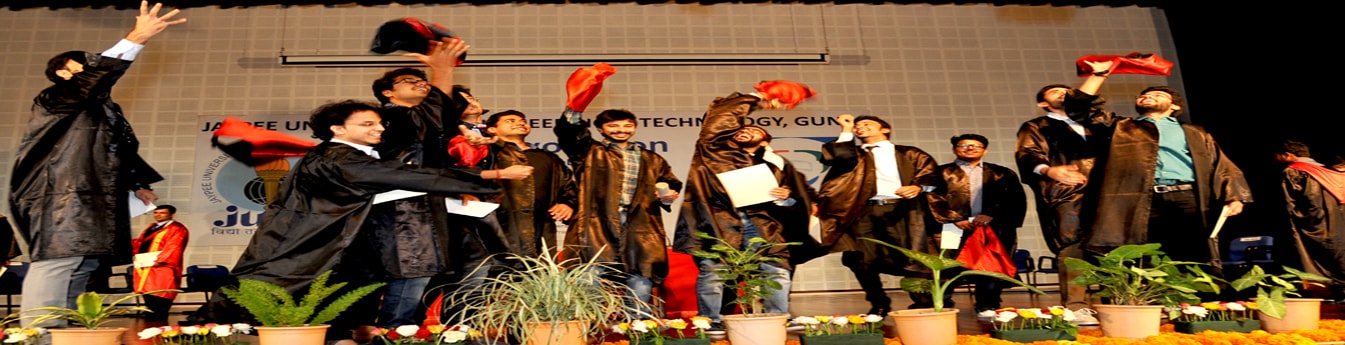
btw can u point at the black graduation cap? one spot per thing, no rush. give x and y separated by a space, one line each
410 35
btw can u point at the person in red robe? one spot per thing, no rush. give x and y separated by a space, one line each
168 238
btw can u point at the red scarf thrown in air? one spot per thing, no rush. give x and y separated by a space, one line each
1332 181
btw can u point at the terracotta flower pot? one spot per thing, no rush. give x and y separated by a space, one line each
85 336
301 335
767 329
1299 313
926 327
558 333
1134 322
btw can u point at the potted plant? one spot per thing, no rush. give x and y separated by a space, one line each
935 326
1034 324
285 322
544 300
207 334
859 329
91 312
666 332
1139 280
743 267
1277 313
1215 316
21 336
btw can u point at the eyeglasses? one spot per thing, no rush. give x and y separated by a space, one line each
969 146
412 81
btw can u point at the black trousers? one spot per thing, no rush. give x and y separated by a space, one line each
158 308
1175 222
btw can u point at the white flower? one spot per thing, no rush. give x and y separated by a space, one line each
806 320
222 330
407 330
16 338
618 330
639 326
873 318
840 321
1068 315
1041 314
704 323
149 333
1196 310
454 336
1006 316
243 328
1234 306
191 330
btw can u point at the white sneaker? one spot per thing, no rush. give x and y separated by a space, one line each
1085 317
986 314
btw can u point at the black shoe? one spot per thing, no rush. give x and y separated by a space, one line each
192 320
880 311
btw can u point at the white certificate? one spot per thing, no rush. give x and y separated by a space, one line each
395 195
146 259
749 186
137 207
476 209
951 238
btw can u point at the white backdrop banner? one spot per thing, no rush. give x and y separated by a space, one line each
229 197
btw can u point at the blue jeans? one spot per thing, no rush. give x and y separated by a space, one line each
710 288
55 283
400 302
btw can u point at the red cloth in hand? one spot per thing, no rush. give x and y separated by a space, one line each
984 252
465 154
788 93
1133 63
585 84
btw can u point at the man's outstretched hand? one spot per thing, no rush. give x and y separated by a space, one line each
149 23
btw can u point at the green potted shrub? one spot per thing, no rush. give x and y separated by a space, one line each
741 270
934 326
543 300
287 322
1139 280
1277 312
91 313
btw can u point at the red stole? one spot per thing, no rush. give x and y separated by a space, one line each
1332 181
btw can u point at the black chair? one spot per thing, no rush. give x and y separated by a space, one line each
1023 260
11 283
205 279
112 282
1252 250
1048 265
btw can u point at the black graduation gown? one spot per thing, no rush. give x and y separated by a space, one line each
1318 222
413 238
851 181
524 222
1065 211
1002 199
638 247
706 205
316 222
75 168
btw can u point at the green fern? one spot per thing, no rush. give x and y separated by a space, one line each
273 306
